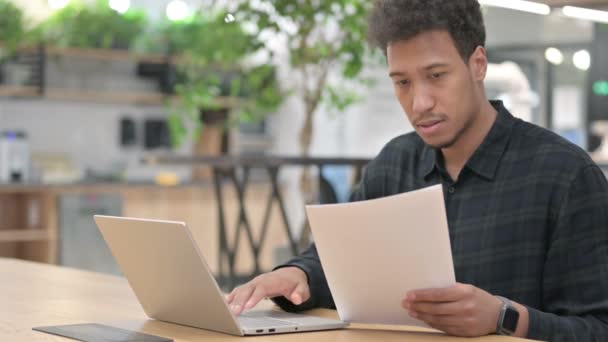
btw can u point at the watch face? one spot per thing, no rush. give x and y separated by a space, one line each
510 321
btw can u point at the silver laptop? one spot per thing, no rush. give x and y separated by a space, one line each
172 282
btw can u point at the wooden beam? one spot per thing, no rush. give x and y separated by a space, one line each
19 91
20 235
106 54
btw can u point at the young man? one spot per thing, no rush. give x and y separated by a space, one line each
527 211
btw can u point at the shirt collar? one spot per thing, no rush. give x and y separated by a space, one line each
486 158
429 160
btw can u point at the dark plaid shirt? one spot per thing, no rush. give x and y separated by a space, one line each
528 220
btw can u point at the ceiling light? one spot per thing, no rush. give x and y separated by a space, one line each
58 4
554 56
585 13
519 5
178 10
120 6
582 60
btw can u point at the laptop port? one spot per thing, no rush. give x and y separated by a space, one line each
259 331
270 330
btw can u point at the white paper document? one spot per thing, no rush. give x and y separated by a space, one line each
374 252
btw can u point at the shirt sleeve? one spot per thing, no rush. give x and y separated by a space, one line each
575 277
309 262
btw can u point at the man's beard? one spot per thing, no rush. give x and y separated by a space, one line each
450 143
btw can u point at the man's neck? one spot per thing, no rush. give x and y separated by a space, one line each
457 155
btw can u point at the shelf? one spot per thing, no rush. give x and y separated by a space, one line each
58 94
114 97
61 94
22 235
108 55
124 97
150 98
94 53
19 91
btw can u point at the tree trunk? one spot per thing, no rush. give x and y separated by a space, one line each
312 98
306 134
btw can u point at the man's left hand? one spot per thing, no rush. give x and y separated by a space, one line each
460 310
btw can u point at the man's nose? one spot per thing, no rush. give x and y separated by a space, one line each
422 100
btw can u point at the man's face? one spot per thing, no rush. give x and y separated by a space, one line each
436 88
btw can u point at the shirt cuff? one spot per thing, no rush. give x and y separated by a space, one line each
536 330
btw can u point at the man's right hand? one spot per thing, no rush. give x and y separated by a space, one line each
289 282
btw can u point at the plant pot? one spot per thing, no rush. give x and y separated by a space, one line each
213 140
208 144
214 117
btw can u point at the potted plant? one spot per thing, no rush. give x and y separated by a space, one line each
322 37
217 83
12 27
92 26
12 31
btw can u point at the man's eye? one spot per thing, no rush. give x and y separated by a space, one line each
402 82
437 75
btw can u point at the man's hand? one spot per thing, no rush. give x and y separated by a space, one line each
461 310
289 282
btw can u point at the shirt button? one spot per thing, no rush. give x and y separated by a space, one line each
451 190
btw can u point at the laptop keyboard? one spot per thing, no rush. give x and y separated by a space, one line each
262 322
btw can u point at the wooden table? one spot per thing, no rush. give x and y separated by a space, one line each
33 294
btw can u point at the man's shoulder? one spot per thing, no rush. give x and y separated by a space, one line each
547 147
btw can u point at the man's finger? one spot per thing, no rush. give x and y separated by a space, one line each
300 294
231 295
448 294
439 309
241 297
257 295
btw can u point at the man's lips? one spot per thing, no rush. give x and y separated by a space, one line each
430 127
428 123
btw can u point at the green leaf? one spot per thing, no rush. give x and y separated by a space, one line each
12 26
92 26
216 51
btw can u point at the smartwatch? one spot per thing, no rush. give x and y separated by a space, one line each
508 318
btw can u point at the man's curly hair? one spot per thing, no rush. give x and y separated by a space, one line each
396 20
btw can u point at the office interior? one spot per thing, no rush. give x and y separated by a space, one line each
98 120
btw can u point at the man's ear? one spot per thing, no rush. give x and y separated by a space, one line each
478 63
